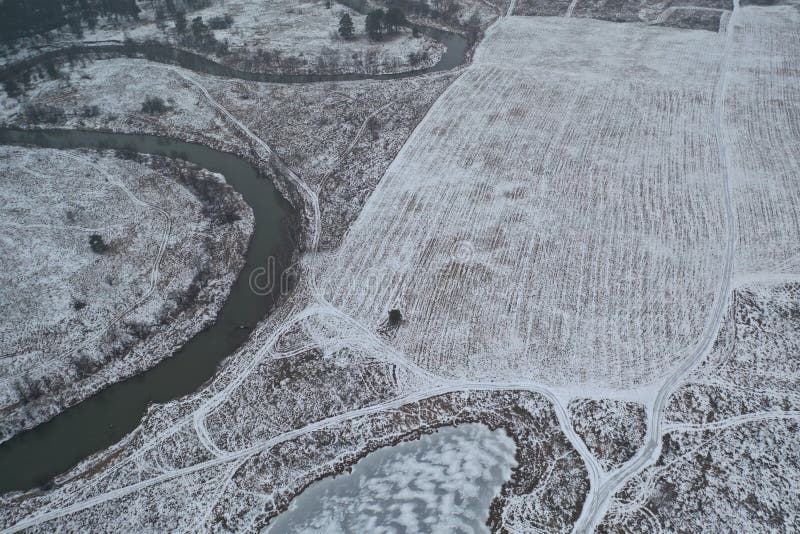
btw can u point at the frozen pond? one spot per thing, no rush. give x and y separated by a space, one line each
443 482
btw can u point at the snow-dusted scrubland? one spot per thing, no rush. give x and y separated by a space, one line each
75 319
558 215
739 477
559 233
339 137
275 36
612 430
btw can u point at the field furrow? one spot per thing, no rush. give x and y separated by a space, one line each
551 218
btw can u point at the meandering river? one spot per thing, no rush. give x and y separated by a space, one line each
34 457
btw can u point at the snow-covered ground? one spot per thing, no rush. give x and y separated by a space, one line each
308 31
340 137
442 483
74 320
276 36
558 215
560 233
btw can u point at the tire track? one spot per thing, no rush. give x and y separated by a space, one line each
598 500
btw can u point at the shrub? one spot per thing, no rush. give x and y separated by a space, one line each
84 365
395 316
220 23
139 330
12 88
154 105
41 113
374 127
97 244
90 111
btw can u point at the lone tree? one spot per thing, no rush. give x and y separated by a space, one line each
394 19
395 316
153 105
98 245
374 24
180 22
346 28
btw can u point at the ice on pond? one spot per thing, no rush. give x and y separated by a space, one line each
443 482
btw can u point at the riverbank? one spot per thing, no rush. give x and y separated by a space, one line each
279 38
170 239
122 405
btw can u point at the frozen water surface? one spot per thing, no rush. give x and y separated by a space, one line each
443 482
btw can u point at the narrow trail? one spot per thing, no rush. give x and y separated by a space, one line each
154 269
511 7
270 156
603 485
351 145
571 8
599 498
733 421
248 452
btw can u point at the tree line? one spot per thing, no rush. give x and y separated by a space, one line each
377 23
27 18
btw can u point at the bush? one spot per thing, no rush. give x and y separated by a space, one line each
220 23
41 113
139 330
90 111
395 316
85 365
374 127
97 244
12 88
154 105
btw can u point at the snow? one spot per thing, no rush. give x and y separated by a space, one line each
765 83
442 483
290 28
593 218
563 224
69 315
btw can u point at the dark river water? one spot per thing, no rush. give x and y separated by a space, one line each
37 455
34 457
453 56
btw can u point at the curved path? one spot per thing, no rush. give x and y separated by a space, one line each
603 485
599 497
35 456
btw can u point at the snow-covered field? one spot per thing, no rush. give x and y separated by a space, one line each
557 216
74 320
591 237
